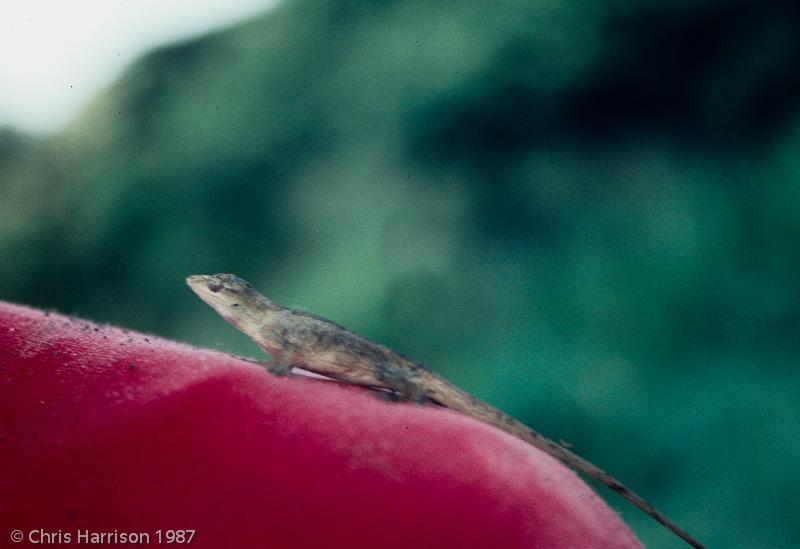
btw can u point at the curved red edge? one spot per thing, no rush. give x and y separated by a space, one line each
105 432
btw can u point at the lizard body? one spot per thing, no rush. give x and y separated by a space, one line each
298 339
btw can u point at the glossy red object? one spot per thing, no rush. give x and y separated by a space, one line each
104 431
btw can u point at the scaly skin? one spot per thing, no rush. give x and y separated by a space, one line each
297 339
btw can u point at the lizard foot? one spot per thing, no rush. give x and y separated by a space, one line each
389 396
278 368
398 396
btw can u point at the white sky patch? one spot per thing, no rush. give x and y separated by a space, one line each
56 54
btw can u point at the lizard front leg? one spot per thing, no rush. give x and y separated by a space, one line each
281 364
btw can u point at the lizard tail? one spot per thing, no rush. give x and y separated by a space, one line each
449 396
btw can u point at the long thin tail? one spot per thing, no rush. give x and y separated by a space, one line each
585 467
451 397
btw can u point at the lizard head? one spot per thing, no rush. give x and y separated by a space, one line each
233 298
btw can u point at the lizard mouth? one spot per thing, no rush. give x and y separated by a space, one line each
202 283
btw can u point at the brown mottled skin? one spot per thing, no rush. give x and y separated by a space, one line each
297 339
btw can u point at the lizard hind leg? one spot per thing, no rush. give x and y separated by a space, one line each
413 393
404 387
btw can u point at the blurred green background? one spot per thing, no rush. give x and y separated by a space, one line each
588 214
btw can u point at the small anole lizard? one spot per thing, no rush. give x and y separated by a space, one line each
298 339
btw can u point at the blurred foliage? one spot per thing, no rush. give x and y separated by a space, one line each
586 213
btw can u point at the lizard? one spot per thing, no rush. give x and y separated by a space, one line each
299 339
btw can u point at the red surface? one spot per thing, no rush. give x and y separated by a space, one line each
104 430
